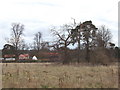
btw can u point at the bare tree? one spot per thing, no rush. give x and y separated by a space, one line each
63 39
37 41
16 35
55 45
103 36
45 45
24 46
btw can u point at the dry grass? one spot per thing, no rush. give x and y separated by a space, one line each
37 75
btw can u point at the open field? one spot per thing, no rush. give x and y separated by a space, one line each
40 75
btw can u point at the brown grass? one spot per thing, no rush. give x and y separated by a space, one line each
40 75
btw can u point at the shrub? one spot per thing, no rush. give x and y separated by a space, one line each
99 57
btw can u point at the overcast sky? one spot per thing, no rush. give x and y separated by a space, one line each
40 15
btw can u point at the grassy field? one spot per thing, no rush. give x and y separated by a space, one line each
40 75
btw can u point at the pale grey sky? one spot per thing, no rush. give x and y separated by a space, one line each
40 15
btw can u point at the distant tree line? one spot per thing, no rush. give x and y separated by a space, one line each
93 44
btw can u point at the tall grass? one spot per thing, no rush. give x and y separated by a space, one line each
37 75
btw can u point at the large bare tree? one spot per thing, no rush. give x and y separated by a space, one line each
37 41
63 35
104 36
16 36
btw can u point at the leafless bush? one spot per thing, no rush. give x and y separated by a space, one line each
100 57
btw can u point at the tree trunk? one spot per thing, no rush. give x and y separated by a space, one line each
78 58
65 61
16 55
87 52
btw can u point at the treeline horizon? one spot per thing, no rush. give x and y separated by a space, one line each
91 44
